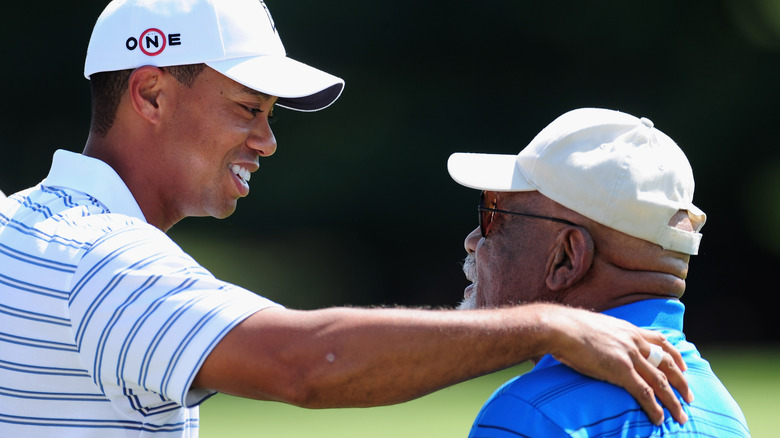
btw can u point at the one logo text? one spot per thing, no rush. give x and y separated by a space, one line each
152 42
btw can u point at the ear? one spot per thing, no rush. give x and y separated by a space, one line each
570 259
145 87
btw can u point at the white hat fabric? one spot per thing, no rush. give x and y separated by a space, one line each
608 166
238 38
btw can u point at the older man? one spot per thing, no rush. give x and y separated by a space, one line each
596 212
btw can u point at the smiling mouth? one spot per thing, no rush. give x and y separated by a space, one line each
241 172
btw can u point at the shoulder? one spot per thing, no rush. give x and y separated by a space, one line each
553 401
556 397
121 244
57 214
62 225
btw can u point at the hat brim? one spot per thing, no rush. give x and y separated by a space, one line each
298 86
494 172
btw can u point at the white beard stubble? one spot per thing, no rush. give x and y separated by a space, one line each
470 270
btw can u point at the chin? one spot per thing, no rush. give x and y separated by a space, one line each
469 303
224 212
224 215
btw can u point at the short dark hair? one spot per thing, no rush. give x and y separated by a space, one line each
108 87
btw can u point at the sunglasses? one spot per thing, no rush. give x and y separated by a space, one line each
488 212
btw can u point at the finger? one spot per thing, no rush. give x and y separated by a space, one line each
645 396
674 353
673 367
658 368
658 380
673 373
676 377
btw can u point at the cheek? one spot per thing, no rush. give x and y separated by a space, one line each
503 276
491 275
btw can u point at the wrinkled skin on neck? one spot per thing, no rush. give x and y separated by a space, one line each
626 269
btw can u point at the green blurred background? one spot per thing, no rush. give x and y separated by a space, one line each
357 208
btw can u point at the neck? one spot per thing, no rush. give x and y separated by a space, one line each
644 286
111 150
609 284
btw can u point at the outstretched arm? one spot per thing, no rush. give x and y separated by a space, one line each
344 357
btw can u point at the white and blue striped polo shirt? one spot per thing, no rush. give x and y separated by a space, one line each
104 321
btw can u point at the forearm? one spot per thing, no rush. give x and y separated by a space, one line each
360 357
374 358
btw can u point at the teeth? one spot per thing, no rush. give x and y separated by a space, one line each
242 172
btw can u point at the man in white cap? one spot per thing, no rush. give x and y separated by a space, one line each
596 212
108 329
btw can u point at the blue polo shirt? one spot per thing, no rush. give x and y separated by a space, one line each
552 400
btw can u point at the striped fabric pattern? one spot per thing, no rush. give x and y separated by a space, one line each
104 321
555 401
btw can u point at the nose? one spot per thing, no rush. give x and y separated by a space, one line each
470 244
262 139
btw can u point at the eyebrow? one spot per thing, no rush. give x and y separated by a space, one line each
254 92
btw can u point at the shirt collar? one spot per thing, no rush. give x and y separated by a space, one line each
658 314
95 178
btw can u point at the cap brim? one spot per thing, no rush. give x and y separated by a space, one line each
298 86
492 172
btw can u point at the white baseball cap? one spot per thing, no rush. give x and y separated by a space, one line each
238 38
608 166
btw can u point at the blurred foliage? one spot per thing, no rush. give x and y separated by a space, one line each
356 207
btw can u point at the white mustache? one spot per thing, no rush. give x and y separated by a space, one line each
470 268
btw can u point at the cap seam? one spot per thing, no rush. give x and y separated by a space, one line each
218 18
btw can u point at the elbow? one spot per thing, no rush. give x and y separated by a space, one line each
305 387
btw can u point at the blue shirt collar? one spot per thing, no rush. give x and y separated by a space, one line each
94 177
657 314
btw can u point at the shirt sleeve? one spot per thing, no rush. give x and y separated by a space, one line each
145 316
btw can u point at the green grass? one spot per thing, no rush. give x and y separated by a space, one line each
752 376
